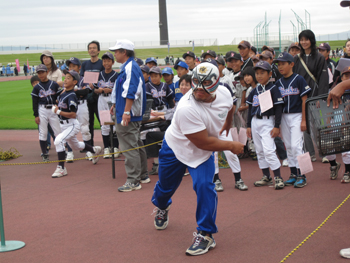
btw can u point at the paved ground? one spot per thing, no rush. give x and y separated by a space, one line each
83 218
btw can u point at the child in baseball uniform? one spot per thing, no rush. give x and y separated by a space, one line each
181 69
81 90
104 88
231 158
145 73
159 91
66 110
168 76
44 95
294 90
34 80
335 166
263 127
249 78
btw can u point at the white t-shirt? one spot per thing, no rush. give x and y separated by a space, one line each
191 117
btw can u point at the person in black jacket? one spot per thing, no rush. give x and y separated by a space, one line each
317 77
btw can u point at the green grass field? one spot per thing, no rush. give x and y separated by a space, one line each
34 58
16 110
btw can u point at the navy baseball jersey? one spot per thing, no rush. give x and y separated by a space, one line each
172 87
67 102
292 89
81 92
159 93
253 99
178 94
46 92
231 92
106 80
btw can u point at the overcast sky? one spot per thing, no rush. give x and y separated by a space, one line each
46 22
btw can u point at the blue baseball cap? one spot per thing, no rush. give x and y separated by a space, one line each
263 65
73 60
145 68
139 61
168 71
73 73
284 56
151 59
181 64
108 55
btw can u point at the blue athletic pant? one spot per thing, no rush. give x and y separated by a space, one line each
171 171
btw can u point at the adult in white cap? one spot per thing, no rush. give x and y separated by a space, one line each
129 100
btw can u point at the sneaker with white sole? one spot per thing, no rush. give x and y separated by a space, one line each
285 163
201 244
345 253
116 152
70 157
128 187
106 153
279 184
240 185
95 157
145 180
300 182
218 186
264 181
334 171
292 179
313 158
59 172
89 155
161 219
346 178
45 158
325 160
154 170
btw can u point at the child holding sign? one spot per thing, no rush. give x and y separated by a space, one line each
294 90
104 88
264 119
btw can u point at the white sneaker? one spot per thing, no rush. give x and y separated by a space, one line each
345 253
240 185
117 153
59 172
106 153
218 186
95 158
70 157
285 163
90 155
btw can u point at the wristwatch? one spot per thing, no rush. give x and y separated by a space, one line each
127 112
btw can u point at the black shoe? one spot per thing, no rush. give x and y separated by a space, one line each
201 244
161 219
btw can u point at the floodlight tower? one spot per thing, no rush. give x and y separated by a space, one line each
301 25
163 23
307 19
294 31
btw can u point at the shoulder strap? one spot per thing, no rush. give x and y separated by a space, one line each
306 68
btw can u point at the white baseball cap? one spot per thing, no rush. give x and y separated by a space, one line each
124 44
